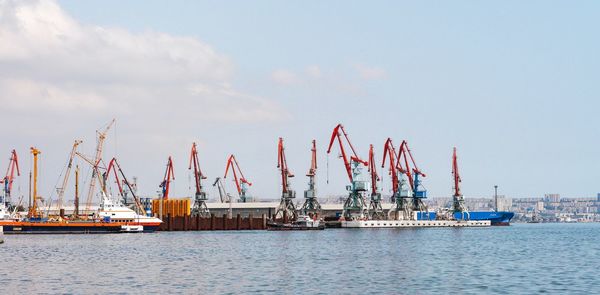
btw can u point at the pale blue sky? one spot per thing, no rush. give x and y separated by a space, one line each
512 84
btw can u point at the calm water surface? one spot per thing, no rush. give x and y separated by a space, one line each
520 259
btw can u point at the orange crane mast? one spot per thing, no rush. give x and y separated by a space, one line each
241 183
169 176
458 201
33 209
200 208
286 208
311 204
375 208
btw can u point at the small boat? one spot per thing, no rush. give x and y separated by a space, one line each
304 222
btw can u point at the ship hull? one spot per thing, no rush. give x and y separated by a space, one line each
501 218
23 227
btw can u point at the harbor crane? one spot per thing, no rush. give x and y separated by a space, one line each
61 190
355 205
200 208
375 208
34 197
169 176
95 164
114 167
286 209
224 196
458 201
413 174
311 204
7 181
401 192
241 183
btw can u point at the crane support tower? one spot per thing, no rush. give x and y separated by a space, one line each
286 209
123 184
458 201
401 190
241 183
311 205
200 197
355 207
7 181
375 209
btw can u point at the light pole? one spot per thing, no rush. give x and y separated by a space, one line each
496 197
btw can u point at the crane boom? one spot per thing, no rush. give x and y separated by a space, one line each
286 208
240 181
455 175
198 175
7 181
282 165
138 203
96 162
373 171
61 190
169 175
389 152
338 131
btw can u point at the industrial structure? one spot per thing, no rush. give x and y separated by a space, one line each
311 205
458 201
375 209
241 183
200 197
286 209
355 206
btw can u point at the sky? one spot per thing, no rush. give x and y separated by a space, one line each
512 84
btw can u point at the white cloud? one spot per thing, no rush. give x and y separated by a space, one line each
314 72
285 77
49 61
370 72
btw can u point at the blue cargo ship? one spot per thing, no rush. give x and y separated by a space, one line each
496 218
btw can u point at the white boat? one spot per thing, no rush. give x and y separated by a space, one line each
115 211
303 222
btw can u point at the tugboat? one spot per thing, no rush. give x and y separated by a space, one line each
304 222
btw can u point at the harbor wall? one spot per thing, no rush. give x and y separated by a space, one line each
197 223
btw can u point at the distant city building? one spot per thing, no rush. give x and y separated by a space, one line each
552 198
598 197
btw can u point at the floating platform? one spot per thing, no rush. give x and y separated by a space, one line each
413 223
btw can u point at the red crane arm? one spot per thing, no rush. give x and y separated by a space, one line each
10 171
390 152
169 175
111 166
336 134
403 155
455 174
415 168
282 165
313 163
373 170
232 162
198 175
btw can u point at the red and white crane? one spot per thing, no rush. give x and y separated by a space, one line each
311 204
7 181
241 183
286 209
200 208
169 176
354 206
375 207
